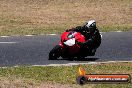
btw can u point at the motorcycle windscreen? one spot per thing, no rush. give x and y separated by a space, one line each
70 42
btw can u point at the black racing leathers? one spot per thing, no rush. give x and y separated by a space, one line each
93 37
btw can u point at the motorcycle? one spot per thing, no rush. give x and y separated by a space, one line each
68 47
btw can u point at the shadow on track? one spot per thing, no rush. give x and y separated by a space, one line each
80 59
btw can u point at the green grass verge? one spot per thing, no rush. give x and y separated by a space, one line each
34 75
55 30
112 28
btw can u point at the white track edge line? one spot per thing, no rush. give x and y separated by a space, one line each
53 34
29 35
72 64
4 36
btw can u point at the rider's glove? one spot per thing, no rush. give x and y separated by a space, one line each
84 44
81 44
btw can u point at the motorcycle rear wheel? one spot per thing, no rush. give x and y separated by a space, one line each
55 53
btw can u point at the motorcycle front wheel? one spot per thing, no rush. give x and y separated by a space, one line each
55 53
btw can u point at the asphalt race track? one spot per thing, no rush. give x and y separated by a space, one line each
33 50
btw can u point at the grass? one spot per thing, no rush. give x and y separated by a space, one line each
37 75
21 17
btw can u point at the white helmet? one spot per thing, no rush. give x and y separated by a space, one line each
91 24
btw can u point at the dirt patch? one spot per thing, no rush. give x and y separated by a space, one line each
67 12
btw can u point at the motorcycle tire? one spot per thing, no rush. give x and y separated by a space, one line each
55 53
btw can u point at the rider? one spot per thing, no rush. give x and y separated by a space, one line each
92 35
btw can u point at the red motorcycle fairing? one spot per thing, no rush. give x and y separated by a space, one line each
72 50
